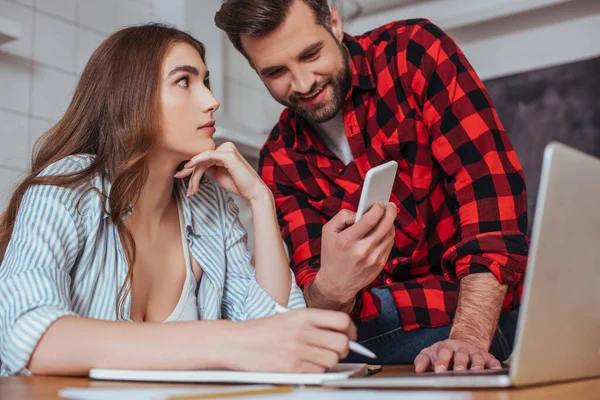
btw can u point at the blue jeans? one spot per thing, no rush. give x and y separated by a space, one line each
385 337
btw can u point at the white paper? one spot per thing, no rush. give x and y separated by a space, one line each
341 371
147 394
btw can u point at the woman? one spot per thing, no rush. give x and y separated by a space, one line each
106 238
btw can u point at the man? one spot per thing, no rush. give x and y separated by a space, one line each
457 218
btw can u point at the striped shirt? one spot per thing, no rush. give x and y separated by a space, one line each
65 258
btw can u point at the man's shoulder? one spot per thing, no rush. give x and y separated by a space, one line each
401 30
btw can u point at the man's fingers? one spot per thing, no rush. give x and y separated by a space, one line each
367 222
477 361
340 221
444 357
385 227
493 363
422 362
461 359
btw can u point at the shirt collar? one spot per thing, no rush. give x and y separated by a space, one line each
362 78
362 75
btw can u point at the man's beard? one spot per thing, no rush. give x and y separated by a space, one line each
340 84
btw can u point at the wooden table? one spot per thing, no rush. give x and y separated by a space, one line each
46 388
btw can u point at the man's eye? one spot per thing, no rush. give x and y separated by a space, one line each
311 55
274 73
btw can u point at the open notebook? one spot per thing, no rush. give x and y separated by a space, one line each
341 371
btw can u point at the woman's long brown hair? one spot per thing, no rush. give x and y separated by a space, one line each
115 116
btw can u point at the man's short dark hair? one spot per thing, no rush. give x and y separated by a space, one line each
257 18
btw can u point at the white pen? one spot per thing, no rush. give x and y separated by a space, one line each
355 347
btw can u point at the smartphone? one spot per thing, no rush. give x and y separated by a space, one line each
377 187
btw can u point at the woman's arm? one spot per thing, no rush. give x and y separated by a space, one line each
271 264
306 340
73 345
229 168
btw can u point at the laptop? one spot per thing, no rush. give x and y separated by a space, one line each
558 331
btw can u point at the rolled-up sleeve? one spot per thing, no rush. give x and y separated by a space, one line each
243 297
484 178
34 275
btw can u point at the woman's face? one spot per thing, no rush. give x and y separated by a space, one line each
188 104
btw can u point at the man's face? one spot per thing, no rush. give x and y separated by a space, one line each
303 65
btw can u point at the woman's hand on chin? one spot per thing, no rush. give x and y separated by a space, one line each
229 168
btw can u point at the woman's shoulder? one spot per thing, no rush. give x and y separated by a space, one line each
85 195
68 165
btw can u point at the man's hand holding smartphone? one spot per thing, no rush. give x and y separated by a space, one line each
354 251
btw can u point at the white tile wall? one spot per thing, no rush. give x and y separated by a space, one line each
15 83
9 178
133 12
87 42
25 2
54 42
24 16
38 72
246 98
36 129
258 109
14 130
52 91
59 8
99 15
238 69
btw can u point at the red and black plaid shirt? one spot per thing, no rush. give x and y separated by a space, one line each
460 188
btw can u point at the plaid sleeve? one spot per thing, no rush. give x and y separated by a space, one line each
301 225
483 175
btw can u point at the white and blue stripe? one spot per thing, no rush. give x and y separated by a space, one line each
65 258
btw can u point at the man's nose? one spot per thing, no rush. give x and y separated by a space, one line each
302 82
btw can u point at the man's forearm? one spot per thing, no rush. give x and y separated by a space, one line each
480 301
316 297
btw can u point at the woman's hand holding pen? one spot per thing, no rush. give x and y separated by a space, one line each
305 340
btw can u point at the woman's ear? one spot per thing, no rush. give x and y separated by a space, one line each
336 24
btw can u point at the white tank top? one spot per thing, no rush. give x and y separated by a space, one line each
187 307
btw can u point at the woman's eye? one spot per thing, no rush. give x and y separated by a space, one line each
184 82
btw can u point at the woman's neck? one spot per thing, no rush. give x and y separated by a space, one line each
156 198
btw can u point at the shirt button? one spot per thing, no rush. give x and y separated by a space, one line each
220 293
388 281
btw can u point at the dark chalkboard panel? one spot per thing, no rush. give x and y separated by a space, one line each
560 103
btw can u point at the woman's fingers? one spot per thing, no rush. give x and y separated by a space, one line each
184 173
227 165
330 340
194 184
320 357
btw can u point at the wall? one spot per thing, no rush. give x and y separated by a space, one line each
38 71
557 103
